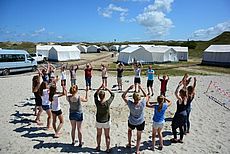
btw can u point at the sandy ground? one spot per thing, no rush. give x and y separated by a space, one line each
209 133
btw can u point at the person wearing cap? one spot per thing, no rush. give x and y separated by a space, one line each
136 116
103 115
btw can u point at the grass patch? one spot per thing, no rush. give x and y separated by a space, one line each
215 69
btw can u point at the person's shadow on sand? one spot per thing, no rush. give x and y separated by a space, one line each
67 147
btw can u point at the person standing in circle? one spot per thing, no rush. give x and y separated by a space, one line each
150 75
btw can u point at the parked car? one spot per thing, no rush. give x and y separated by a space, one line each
38 57
15 61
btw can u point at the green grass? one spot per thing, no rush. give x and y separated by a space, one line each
215 69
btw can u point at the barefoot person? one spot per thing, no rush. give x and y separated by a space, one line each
164 82
44 93
150 75
56 110
103 116
63 78
104 74
38 99
76 112
73 71
191 95
180 115
136 116
88 75
158 118
119 75
137 78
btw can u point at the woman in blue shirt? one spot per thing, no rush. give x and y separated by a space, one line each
158 118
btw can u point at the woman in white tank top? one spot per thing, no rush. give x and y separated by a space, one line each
44 93
56 110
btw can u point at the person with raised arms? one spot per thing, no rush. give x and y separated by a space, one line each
103 115
136 117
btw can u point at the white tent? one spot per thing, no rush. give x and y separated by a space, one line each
217 55
82 48
114 48
44 49
148 54
162 54
93 49
64 53
182 52
104 48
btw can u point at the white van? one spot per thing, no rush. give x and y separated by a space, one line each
16 61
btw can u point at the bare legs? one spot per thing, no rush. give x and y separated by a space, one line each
151 88
57 129
75 123
107 138
37 120
138 140
160 137
79 131
49 113
104 81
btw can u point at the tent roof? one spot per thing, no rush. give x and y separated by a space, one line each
218 48
159 49
65 48
45 47
179 49
130 49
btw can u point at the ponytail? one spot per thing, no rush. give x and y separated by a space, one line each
160 100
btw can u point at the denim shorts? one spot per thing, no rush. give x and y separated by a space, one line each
46 107
157 125
77 116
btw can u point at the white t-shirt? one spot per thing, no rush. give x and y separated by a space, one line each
137 73
45 97
63 75
55 103
104 72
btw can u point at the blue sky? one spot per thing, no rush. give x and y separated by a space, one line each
106 20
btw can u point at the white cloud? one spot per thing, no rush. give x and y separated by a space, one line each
211 31
154 18
60 37
40 30
110 9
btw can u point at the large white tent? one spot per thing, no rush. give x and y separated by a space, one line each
44 49
93 49
147 54
64 53
217 55
182 52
